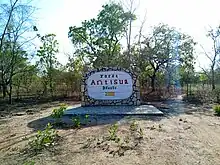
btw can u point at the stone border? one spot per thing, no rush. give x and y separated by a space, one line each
134 99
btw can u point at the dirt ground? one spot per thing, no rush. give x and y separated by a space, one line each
187 138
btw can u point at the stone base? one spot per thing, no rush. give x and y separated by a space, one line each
113 110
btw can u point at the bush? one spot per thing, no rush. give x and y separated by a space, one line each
76 121
44 138
58 113
216 93
113 132
217 109
29 163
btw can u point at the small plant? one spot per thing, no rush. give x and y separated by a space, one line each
112 132
141 133
29 163
217 110
58 113
133 126
76 121
44 138
86 119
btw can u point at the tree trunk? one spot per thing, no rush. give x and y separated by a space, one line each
213 78
10 93
153 78
4 90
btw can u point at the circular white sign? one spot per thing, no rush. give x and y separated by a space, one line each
109 85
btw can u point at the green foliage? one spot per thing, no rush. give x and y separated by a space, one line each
136 129
48 61
133 126
29 163
113 132
58 113
98 39
76 121
203 77
217 109
86 119
44 138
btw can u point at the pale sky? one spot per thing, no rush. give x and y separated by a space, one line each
190 16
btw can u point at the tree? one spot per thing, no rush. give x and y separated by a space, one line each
203 78
131 9
160 50
214 35
15 23
48 60
23 82
97 40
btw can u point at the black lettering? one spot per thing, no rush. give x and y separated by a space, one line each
93 82
120 81
106 82
101 75
115 81
126 81
99 82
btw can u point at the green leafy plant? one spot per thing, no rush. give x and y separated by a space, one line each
44 138
136 129
58 113
133 126
86 119
113 132
141 133
217 109
29 163
76 121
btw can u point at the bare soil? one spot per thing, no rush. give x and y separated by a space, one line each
187 138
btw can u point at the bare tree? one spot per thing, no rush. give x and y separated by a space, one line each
16 23
130 7
214 35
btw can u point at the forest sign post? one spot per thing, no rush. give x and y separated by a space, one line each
110 86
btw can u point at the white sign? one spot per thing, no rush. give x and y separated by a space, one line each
109 85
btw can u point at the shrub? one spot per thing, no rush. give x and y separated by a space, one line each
58 113
216 93
44 138
112 132
133 126
76 121
29 163
217 109
86 119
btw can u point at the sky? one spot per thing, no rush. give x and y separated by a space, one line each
193 17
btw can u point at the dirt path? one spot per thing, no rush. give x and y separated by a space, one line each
183 139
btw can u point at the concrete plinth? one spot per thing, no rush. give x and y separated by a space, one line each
113 110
